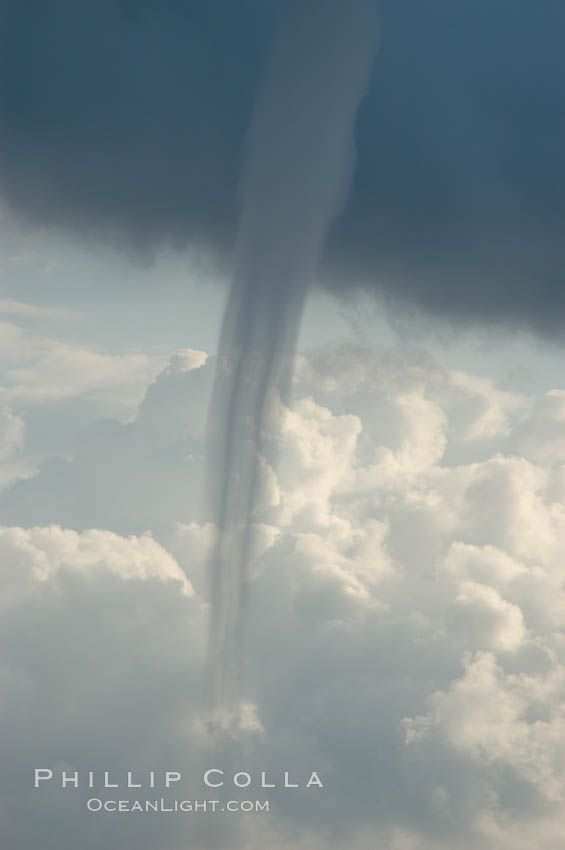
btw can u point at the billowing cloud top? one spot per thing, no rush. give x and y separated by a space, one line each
130 119
405 638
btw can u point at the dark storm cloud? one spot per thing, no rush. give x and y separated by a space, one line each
128 115
459 198
131 118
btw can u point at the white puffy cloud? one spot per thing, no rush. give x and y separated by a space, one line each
144 474
58 370
37 369
516 720
43 551
405 634
58 386
100 662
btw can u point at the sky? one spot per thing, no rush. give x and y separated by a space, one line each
405 625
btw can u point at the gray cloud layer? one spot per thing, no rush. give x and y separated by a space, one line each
130 119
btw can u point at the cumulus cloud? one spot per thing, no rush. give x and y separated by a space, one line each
133 476
406 625
55 388
101 652
42 369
